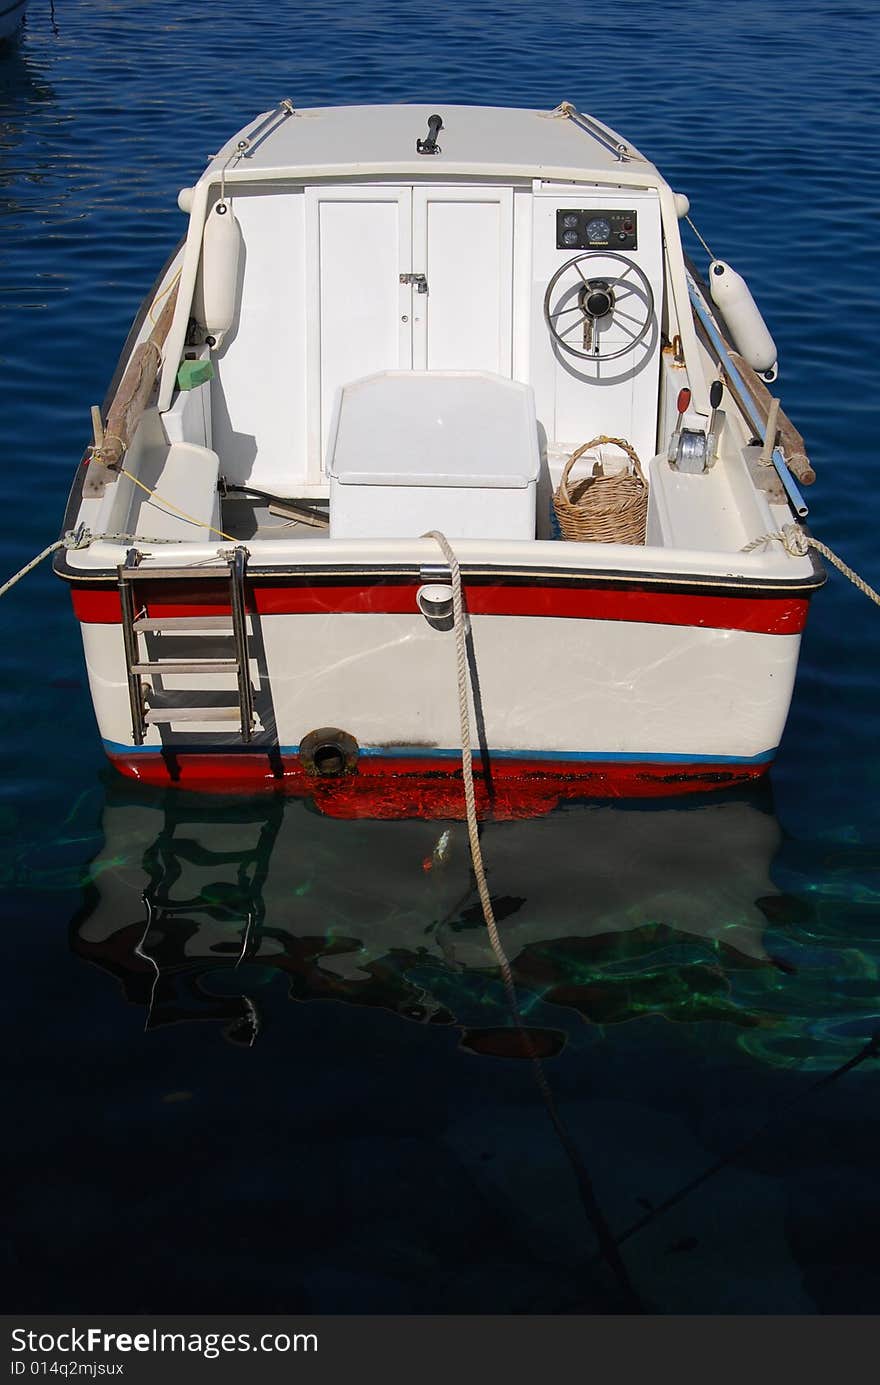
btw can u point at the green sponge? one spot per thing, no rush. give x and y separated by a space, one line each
193 373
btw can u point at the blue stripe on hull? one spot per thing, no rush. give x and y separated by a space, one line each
421 752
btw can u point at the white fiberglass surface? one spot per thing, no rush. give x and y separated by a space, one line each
435 428
545 684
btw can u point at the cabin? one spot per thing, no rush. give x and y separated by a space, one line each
410 318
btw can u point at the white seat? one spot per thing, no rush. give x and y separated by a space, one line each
415 450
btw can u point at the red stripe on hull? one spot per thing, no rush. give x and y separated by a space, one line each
772 615
398 788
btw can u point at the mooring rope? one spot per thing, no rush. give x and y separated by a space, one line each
607 1243
29 567
797 542
79 538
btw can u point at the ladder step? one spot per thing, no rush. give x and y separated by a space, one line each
171 625
153 715
175 574
188 666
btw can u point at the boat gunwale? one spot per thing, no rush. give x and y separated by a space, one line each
292 574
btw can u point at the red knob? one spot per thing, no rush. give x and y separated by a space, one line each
684 399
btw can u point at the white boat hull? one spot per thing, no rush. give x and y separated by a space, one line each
356 348
583 702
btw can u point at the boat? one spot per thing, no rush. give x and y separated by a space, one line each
406 347
11 18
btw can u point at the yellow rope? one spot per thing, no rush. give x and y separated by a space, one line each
158 299
183 514
96 456
97 453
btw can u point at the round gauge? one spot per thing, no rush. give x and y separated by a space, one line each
570 219
569 237
598 230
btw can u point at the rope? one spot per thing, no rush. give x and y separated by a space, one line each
791 536
29 567
79 538
466 755
796 542
154 495
183 514
564 111
155 347
699 238
96 452
158 299
847 571
604 1236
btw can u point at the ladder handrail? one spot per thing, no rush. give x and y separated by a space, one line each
130 642
237 575
127 574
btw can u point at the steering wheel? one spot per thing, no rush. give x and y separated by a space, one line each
597 306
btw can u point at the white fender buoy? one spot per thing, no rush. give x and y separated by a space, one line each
217 290
185 199
749 330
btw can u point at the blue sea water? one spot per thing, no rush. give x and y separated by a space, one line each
258 1060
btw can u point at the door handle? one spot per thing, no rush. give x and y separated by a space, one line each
419 280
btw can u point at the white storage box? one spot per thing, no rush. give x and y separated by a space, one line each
416 450
187 475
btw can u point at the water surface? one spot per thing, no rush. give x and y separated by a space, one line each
259 1060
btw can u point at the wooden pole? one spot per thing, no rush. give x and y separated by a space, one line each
766 458
135 390
794 449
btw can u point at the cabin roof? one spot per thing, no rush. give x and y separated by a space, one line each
493 140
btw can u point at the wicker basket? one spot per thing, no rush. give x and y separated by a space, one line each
603 508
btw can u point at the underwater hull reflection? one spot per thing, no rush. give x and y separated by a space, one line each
606 912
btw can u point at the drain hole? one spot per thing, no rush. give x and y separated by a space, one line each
329 753
329 760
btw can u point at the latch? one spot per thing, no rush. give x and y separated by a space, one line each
420 281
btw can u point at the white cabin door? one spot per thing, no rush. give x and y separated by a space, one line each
463 244
359 241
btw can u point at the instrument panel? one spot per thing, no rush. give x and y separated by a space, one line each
579 228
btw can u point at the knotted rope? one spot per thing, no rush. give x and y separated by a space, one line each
798 543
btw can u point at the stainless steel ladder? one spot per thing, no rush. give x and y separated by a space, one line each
135 624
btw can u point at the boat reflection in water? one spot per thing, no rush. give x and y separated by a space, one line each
684 972
607 913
